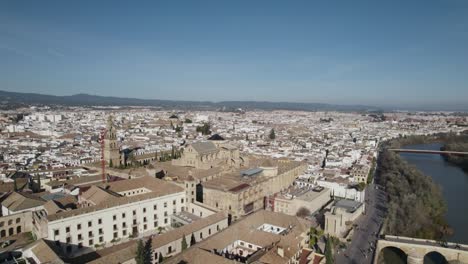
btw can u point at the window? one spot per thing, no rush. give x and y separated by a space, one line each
165 204
155 216
144 210
155 223
18 220
144 219
114 217
134 212
209 231
165 220
169 249
67 229
174 202
123 215
145 227
90 224
100 231
165 213
201 235
99 221
56 232
155 207
217 227
115 227
80 237
101 239
80 245
174 211
124 233
78 226
134 222
116 235
68 240
90 234
124 225
182 200
90 243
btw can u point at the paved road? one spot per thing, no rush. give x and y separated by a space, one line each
362 246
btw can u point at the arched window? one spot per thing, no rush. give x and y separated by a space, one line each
11 231
3 233
18 229
18 220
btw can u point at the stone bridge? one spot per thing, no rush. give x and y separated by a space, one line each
415 249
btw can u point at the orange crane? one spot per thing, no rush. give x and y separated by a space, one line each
103 160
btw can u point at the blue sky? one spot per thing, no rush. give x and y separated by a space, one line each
344 52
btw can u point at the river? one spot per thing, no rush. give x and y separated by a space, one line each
454 183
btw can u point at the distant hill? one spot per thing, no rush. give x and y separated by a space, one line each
9 100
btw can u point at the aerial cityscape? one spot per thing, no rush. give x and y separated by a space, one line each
222 132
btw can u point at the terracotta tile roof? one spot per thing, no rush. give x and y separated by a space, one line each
126 251
21 201
158 188
44 253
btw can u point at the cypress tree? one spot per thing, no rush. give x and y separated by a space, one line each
184 243
272 135
140 253
147 252
15 185
38 183
329 251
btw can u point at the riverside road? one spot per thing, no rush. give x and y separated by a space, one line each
361 250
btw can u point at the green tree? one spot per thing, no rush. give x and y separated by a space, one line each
147 251
140 253
205 129
272 135
184 243
329 251
38 181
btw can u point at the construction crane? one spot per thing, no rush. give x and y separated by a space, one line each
102 137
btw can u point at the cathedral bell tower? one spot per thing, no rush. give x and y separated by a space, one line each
111 149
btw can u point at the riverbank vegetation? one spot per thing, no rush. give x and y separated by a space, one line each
458 143
449 141
416 207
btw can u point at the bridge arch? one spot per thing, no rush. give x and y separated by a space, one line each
391 254
435 257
